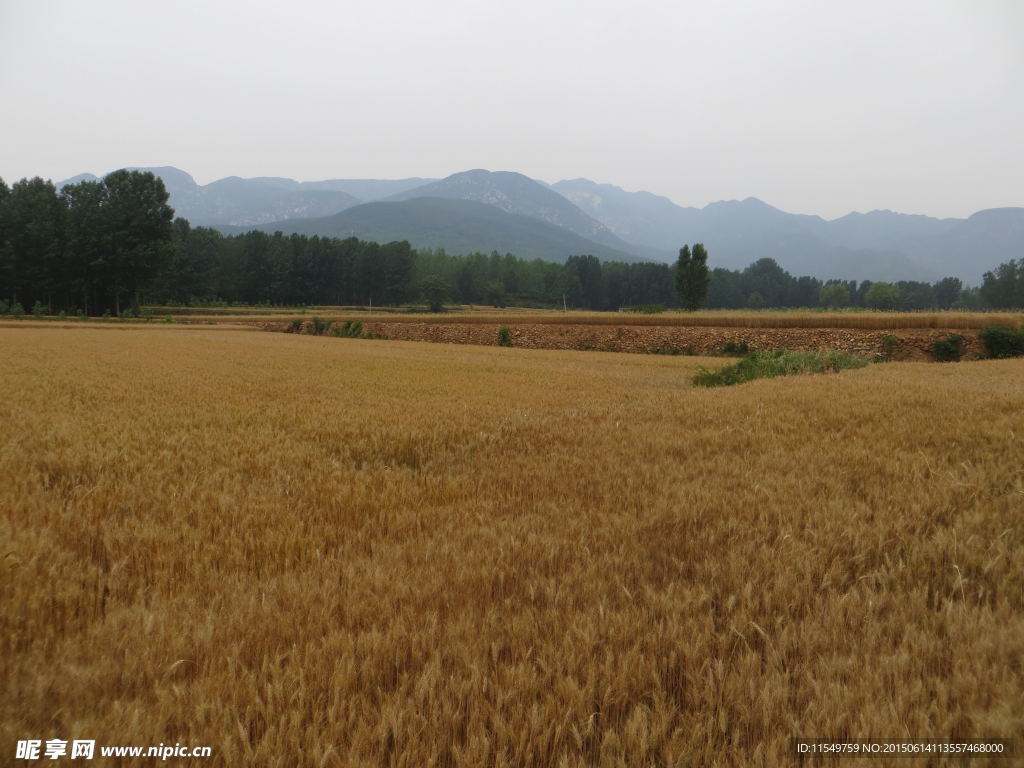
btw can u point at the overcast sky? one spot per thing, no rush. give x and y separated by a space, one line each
814 106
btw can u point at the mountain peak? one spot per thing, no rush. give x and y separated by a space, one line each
514 192
169 174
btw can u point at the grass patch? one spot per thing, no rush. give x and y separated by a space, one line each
767 364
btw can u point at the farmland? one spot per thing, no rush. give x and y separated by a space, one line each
304 550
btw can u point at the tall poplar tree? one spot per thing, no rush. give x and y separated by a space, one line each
692 277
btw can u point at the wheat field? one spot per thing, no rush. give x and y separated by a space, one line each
336 552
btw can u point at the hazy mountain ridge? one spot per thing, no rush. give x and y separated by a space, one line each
248 202
879 245
458 226
516 193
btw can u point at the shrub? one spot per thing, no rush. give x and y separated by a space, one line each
735 348
889 344
37 310
949 349
350 329
1001 342
765 364
5 308
295 326
504 336
320 326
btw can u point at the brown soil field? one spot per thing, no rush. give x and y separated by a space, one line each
304 550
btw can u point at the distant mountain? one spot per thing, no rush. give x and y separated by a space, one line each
885 229
641 218
516 193
978 244
252 201
611 222
880 245
242 202
369 190
458 226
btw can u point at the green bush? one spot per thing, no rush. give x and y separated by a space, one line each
295 326
949 349
889 344
38 310
1001 342
735 348
320 326
765 364
5 308
504 337
350 329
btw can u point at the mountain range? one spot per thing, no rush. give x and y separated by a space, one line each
458 226
486 211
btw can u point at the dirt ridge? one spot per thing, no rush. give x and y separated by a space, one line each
896 344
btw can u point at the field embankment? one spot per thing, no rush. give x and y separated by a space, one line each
865 320
904 345
316 551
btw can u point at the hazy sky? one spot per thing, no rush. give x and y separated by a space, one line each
815 106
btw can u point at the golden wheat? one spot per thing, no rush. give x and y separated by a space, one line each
313 551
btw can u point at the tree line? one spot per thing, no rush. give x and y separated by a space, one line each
113 245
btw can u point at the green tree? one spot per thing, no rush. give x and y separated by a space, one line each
692 277
34 235
834 295
6 253
1003 288
882 296
585 281
769 280
139 220
435 292
88 250
494 293
947 291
